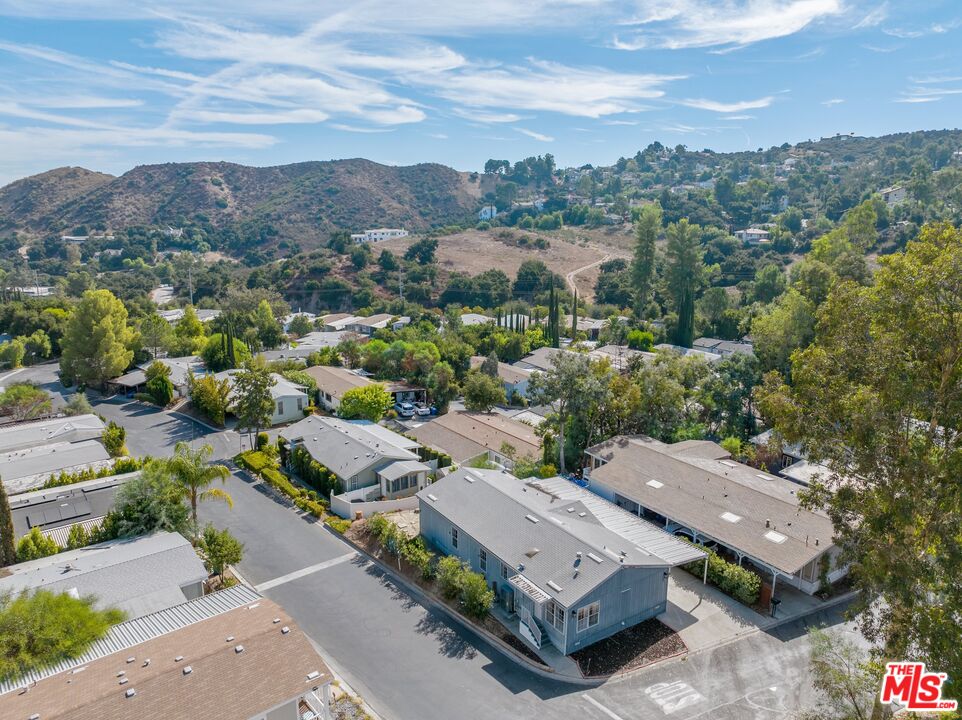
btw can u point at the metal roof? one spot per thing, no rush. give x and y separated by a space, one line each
47 460
631 527
401 468
133 632
66 429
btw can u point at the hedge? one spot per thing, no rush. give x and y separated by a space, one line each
313 473
731 579
338 525
303 499
121 465
255 461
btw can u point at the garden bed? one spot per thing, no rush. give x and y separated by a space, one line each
632 648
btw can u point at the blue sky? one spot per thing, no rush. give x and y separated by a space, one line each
109 85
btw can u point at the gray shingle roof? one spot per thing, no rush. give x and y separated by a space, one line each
44 432
346 448
139 575
537 533
401 468
697 491
49 459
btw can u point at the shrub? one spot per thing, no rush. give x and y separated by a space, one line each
263 440
77 537
113 439
35 545
415 552
220 549
338 525
450 573
255 461
476 597
161 390
731 579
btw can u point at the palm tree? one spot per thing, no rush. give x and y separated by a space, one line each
195 475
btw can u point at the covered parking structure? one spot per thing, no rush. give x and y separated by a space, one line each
695 491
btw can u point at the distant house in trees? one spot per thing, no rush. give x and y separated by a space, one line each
753 235
378 234
893 195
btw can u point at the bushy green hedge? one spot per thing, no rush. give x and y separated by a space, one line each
255 461
731 579
428 454
313 473
120 466
304 499
339 525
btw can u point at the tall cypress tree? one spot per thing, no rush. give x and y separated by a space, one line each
8 550
574 316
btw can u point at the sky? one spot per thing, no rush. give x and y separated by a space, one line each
111 84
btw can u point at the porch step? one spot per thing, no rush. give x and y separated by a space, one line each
526 633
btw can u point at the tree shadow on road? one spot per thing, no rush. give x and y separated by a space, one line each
450 643
407 602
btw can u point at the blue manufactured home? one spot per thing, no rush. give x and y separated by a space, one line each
573 567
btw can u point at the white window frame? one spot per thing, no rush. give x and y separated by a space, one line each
454 536
280 407
585 616
554 615
483 559
504 571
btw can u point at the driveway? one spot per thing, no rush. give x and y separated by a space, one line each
411 663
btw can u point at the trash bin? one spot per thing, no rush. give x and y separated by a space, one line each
775 603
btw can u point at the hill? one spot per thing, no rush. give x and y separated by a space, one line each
302 202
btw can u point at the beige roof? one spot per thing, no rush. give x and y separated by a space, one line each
464 435
507 373
335 380
223 684
689 486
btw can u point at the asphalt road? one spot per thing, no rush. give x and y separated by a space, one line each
410 663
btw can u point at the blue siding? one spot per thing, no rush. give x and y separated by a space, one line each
627 597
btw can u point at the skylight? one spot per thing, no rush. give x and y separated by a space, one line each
655 484
531 518
775 537
730 517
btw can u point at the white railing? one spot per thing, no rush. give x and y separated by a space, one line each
315 704
530 623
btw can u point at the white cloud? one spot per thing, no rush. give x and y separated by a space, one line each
833 101
722 107
80 102
737 117
357 129
926 94
917 99
488 117
536 135
876 16
621 122
704 23
917 32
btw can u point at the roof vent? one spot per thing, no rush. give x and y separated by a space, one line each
121 673
178 658
276 620
571 509
532 552
130 693
238 649
432 496
595 558
230 638
582 514
130 660
469 478
35 716
313 675
146 663
285 630
554 586
187 670
124 681
531 518
768 523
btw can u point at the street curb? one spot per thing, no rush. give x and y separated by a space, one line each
191 418
429 602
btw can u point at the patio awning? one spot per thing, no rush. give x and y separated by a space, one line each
520 582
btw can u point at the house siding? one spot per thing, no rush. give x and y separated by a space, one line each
627 597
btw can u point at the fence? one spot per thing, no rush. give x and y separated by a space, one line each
348 509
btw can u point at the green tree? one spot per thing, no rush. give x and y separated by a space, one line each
36 347
787 325
148 503
482 392
562 387
24 401
41 628
253 401
189 326
368 402
156 333
217 353
77 537
643 263
8 550
877 397
97 344
442 385
220 549
193 474
769 283
640 340
685 276
35 545
476 597
300 325
159 386
422 251
490 365
78 404
12 353
114 439
269 331
843 674
210 396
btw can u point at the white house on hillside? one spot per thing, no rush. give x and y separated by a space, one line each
378 234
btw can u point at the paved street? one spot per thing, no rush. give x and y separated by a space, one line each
410 663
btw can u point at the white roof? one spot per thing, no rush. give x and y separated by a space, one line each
44 432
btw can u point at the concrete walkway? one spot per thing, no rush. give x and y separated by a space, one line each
704 617
560 663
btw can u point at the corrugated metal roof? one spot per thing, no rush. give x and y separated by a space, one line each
631 527
44 432
133 632
61 535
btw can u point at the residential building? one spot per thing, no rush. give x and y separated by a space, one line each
288 319
488 212
378 234
333 382
753 235
335 321
176 315
893 195
367 326
363 456
139 575
694 488
468 319
467 436
290 400
591 327
324 338
29 468
56 510
575 568
180 369
620 357
723 347
540 359
231 655
18 436
709 357
513 379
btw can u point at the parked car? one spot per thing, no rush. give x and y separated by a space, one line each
422 409
404 409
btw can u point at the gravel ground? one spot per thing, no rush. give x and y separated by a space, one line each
631 648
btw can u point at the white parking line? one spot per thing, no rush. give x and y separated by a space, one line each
303 572
606 711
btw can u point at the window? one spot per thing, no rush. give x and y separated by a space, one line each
280 407
555 615
300 403
483 560
454 537
504 571
588 616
